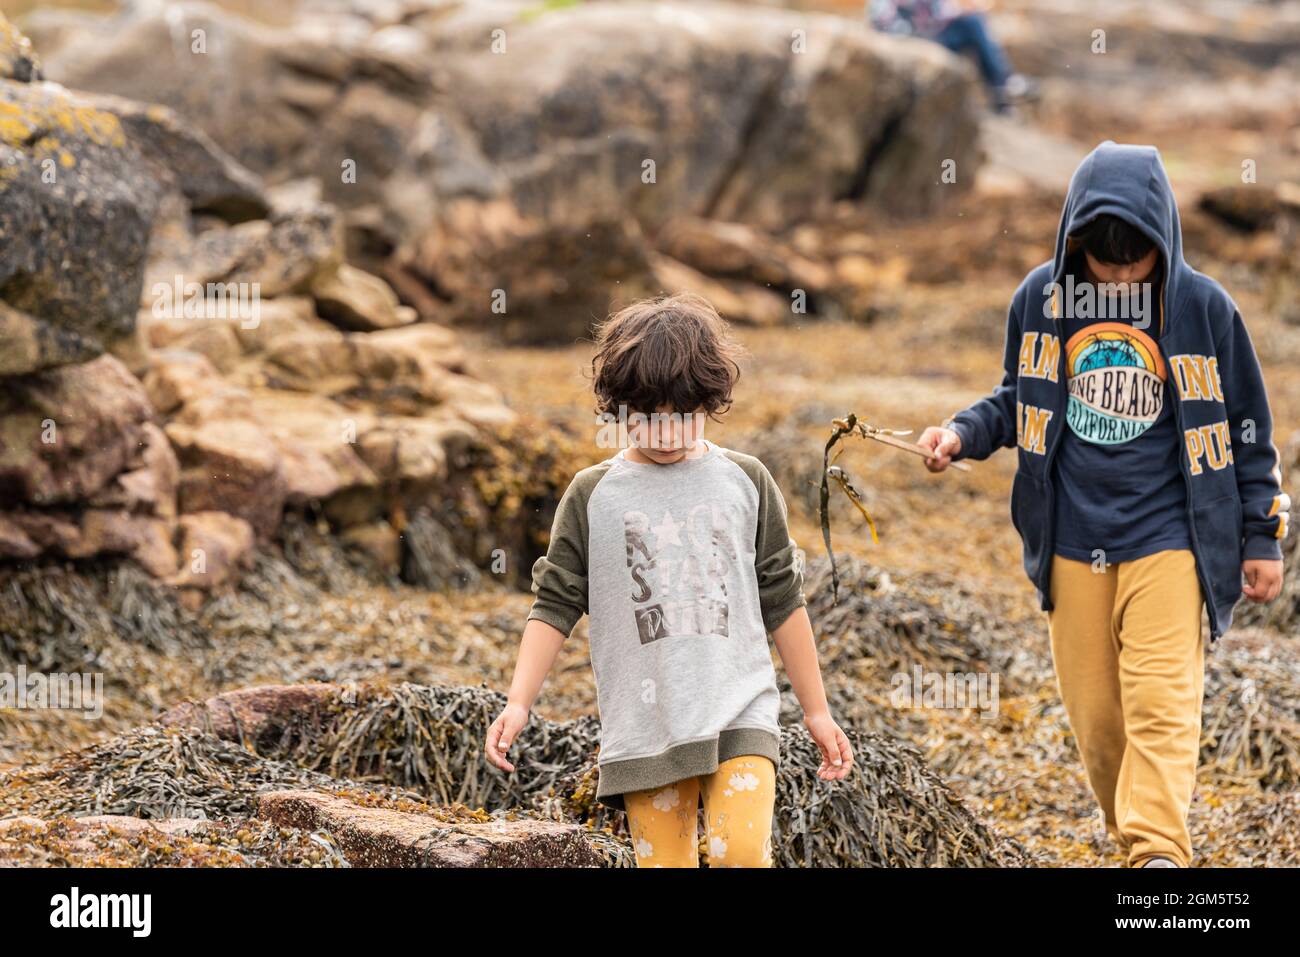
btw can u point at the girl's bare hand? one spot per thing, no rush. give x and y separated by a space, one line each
837 755
502 734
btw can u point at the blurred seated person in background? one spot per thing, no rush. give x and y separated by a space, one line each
958 29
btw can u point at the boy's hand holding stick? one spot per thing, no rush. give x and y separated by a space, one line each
892 437
936 446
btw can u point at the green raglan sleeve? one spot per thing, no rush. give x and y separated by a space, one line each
560 576
778 561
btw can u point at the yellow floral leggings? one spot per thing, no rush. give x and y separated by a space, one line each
738 800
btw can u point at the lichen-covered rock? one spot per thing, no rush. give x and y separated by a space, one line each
757 115
737 251
89 533
258 91
379 836
15 543
70 176
185 158
739 301
123 228
314 437
84 469
149 482
530 278
177 376
145 538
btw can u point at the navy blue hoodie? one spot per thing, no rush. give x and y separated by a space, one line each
1235 505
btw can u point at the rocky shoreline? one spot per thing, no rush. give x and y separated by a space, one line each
269 297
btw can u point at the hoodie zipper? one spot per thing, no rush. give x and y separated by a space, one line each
1191 523
1187 478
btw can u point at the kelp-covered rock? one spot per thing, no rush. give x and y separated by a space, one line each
118 840
892 811
388 834
256 717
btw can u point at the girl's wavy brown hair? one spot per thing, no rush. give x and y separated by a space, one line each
673 352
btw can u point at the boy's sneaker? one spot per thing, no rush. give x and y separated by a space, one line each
1017 89
1159 862
1020 87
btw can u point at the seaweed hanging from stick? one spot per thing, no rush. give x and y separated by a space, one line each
849 425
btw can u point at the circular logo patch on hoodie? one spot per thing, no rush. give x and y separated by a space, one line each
1117 383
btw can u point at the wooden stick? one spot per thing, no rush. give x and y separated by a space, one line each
911 447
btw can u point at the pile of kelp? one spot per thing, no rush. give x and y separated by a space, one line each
882 638
424 744
926 621
313 611
157 773
1019 763
878 631
893 811
1250 722
309 609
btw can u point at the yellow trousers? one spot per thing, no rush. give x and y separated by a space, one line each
738 801
1129 657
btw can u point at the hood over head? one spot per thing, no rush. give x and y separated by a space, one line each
1128 182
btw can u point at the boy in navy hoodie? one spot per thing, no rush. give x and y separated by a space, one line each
1148 484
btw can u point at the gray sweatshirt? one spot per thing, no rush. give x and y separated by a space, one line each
684 569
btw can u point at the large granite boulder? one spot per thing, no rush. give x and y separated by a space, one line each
517 163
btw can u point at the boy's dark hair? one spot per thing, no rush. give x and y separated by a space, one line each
1110 239
675 352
